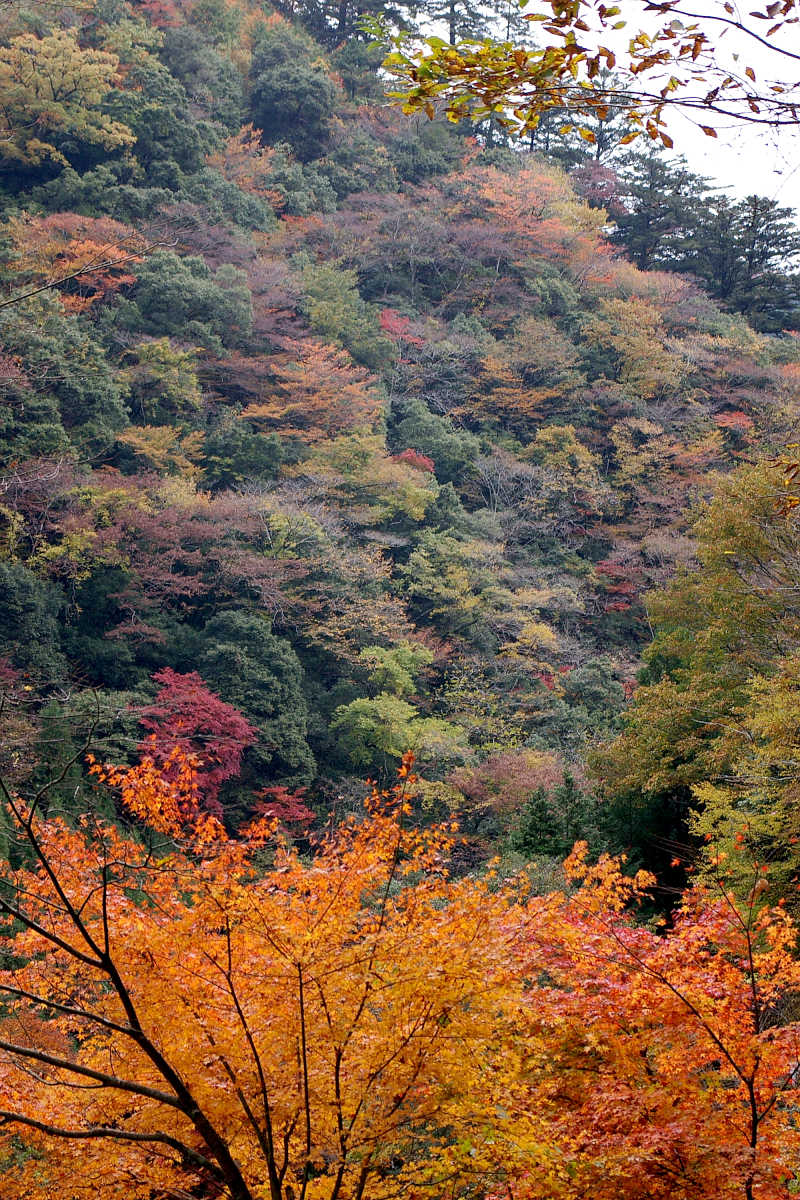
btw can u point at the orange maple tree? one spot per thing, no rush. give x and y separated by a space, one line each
245 161
186 1018
316 392
87 259
672 1064
189 1013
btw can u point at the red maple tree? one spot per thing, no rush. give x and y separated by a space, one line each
187 714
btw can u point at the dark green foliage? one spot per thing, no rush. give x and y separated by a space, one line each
551 291
551 823
535 833
122 191
292 96
219 22
415 427
173 139
30 634
233 455
658 193
593 686
103 723
555 722
357 162
222 203
425 149
155 107
338 314
650 830
30 422
211 80
300 188
357 64
259 673
741 250
447 512
70 391
115 189
181 296
98 609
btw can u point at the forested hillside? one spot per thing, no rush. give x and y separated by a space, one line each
330 434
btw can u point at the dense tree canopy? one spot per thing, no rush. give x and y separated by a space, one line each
395 1026
328 433
53 91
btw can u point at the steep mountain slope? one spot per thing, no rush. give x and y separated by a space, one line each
369 427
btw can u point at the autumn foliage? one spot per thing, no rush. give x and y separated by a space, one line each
317 393
89 259
324 434
250 1032
186 714
190 1013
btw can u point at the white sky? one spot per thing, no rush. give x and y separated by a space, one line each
745 161
744 158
